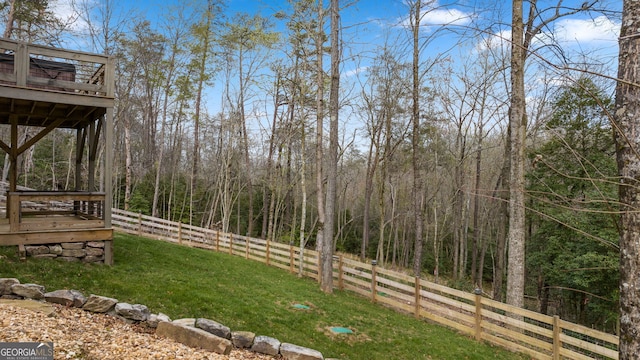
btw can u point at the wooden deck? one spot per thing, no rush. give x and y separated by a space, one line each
49 88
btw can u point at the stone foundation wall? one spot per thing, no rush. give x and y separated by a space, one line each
88 252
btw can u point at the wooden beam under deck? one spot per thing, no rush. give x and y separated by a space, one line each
55 236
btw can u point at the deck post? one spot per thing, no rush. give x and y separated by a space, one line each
108 191
13 157
93 139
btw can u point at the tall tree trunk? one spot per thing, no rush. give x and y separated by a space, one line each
383 216
128 165
165 107
303 215
245 141
269 186
332 164
202 68
627 135
517 124
368 191
415 140
476 211
319 128
8 25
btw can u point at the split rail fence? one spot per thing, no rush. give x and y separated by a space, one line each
537 335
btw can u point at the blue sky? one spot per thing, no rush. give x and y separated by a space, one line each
369 23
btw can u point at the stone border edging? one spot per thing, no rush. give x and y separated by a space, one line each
198 333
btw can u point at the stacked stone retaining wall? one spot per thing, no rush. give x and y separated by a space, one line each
88 252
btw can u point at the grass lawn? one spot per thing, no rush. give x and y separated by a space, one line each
248 295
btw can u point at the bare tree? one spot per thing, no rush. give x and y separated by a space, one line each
332 163
627 105
418 196
522 37
320 77
517 127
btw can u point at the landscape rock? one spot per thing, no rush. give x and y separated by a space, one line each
154 319
266 345
68 258
66 297
296 352
33 305
96 244
99 304
72 245
134 312
185 322
36 250
29 291
11 297
55 249
94 252
242 339
214 328
73 252
6 284
194 337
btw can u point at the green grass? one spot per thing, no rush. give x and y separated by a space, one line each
248 295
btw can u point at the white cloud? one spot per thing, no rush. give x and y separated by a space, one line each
600 29
65 11
566 32
437 15
355 71
500 40
445 17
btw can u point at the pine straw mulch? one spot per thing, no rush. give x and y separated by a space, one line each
78 334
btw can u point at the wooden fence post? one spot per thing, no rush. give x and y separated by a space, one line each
218 240
291 261
268 250
556 338
318 277
478 314
180 233
340 273
374 281
246 248
230 243
139 224
418 287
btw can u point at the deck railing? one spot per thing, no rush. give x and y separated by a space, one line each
54 210
537 335
36 66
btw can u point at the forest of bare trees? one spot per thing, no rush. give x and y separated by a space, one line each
476 150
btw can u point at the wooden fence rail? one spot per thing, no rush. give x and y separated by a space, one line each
537 335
